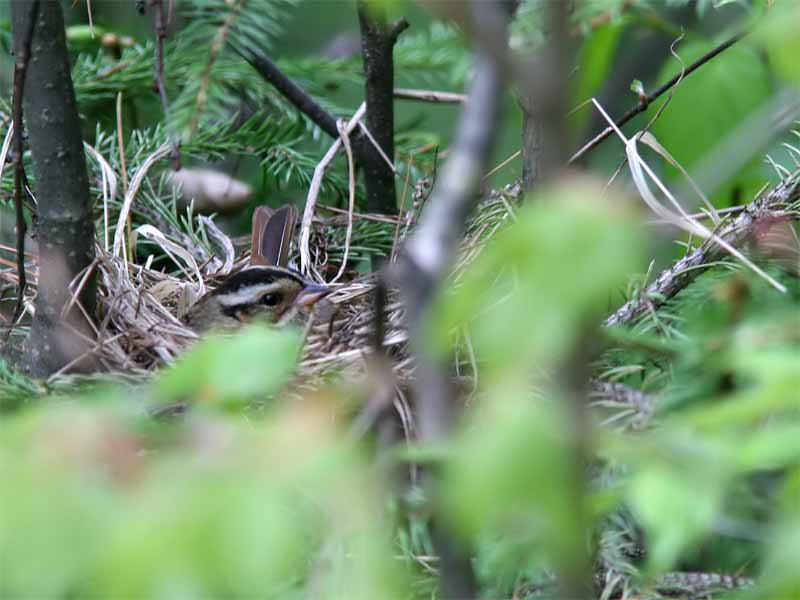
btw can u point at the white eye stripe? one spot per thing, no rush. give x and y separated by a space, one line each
248 294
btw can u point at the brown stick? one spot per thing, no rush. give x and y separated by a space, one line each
161 34
20 70
300 99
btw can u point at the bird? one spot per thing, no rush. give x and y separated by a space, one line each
267 290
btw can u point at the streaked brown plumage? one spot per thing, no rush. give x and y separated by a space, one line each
267 290
275 295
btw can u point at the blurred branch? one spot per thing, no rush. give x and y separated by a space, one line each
424 261
422 265
20 70
644 102
764 209
377 46
623 394
701 584
616 395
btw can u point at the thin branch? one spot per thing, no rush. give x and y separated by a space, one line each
301 100
161 34
313 191
763 210
20 70
430 96
646 101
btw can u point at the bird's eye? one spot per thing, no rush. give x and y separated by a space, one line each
271 299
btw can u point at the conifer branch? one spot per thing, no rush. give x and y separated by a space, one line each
686 270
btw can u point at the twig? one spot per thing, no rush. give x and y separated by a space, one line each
270 72
161 33
502 164
20 70
687 269
380 151
402 207
123 167
113 69
644 103
367 217
5 147
91 20
316 184
430 96
351 178
109 185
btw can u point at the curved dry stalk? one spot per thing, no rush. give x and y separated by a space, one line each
766 208
133 188
313 192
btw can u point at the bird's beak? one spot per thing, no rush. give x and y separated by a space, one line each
311 294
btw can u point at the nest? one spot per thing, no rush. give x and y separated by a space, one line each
139 327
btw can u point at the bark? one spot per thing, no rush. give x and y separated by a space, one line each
377 46
65 229
545 135
531 144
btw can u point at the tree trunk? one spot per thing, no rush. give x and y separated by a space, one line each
377 45
65 229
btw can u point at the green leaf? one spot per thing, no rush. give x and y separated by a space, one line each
254 363
594 65
778 34
512 475
779 578
536 286
677 485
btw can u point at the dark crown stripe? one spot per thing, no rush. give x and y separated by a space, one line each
257 276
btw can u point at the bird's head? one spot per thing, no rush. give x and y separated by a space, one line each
265 293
